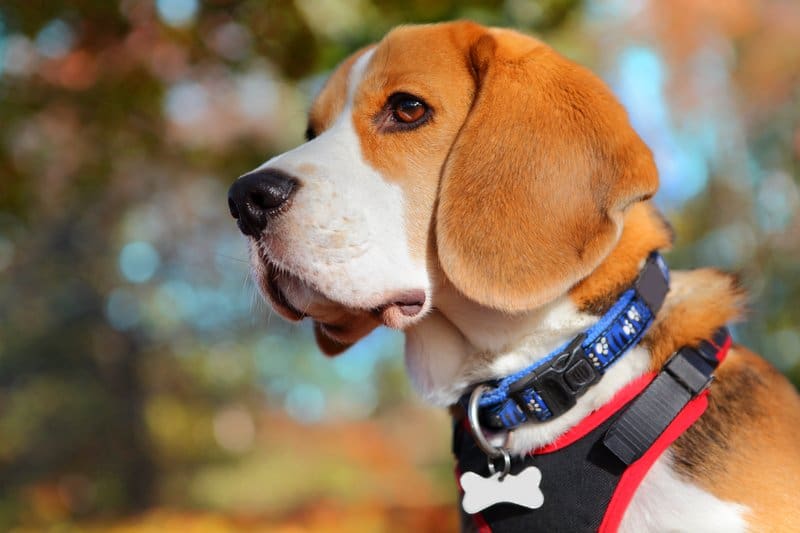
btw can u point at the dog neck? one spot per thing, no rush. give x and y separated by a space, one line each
462 343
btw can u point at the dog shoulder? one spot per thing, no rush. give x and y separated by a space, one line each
744 448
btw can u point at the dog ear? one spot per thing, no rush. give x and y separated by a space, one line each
536 183
334 340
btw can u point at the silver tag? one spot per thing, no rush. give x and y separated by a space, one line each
521 489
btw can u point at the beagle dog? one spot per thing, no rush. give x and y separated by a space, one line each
488 197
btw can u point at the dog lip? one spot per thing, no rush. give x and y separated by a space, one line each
400 306
410 309
408 304
285 303
279 299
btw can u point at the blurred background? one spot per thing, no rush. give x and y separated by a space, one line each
144 385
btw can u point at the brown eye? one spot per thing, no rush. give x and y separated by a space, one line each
407 109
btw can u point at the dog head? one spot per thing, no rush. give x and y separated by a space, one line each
448 153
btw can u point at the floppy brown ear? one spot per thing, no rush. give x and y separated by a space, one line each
534 189
333 340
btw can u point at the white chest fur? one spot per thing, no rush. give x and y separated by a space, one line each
665 502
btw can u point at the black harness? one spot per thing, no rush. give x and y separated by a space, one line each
590 474
577 482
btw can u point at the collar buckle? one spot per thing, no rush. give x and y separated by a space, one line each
559 382
551 386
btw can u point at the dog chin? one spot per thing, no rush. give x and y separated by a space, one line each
294 299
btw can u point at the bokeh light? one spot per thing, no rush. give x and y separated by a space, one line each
177 12
122 309
55 39
305 403
138 261
131 324
234 429
18 55
186 102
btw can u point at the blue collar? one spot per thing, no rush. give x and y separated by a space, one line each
552 385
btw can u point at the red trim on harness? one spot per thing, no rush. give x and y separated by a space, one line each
723 350
481 524
622 397
588 424
633 476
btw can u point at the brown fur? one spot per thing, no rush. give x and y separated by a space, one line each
531 185
699 302
744 448
643 231
413 159
545 138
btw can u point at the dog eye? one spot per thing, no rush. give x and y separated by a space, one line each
407 109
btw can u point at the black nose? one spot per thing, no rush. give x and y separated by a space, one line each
256 197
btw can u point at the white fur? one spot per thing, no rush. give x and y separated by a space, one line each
434 355
465 343
345 231
665 502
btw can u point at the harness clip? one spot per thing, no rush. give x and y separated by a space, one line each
559 382
691 370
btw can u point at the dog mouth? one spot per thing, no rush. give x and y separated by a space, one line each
277 297
295 299
401 308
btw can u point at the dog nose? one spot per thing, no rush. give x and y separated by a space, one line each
258 196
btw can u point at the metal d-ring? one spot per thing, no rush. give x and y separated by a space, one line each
492 452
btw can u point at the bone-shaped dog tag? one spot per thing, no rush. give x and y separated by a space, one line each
482 492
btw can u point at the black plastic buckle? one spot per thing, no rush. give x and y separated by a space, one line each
691 370
559 382
685 375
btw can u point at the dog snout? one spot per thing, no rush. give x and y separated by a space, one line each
255 198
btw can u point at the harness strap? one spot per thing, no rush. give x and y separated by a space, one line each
590 474
638 448
687 373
